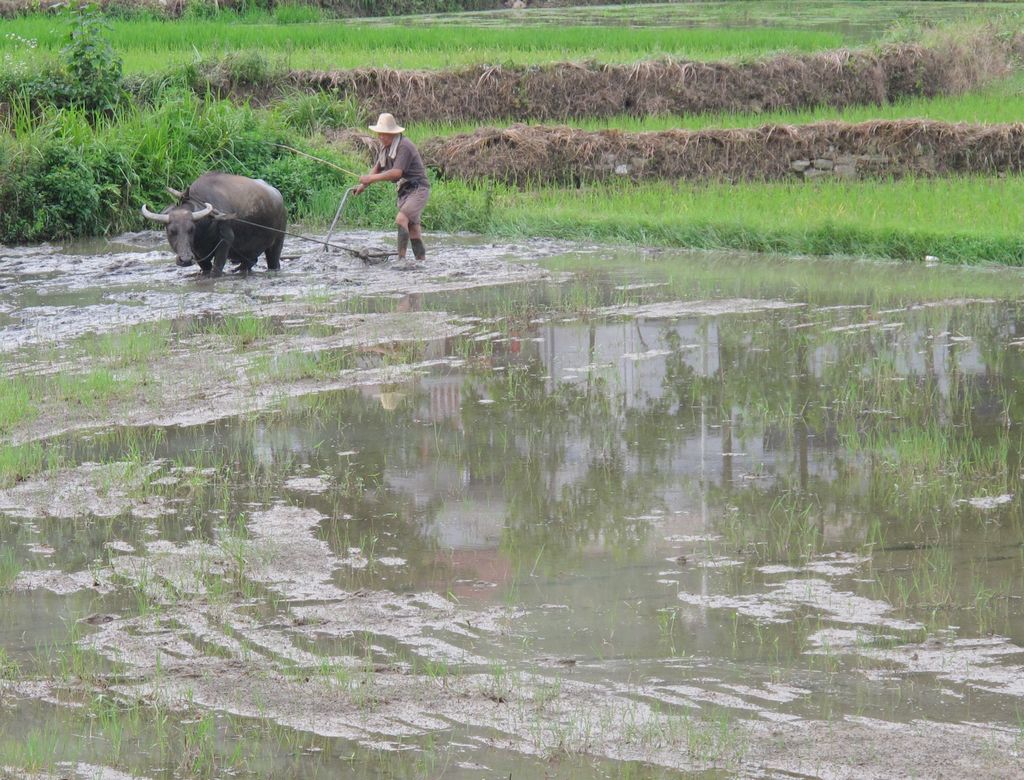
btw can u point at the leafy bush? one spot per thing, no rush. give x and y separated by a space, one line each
69 199
65 172
50 194
92 65
300 180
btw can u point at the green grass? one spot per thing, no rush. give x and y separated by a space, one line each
147 46
18 462
9 570
134 346
64 175
956 220
240 329
17 403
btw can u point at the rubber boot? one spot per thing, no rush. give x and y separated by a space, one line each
403 242
418 250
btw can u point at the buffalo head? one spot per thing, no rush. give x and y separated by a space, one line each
181 228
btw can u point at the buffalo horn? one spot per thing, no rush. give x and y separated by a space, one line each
175 193
156 217
202 212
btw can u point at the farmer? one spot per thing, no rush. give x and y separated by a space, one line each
399 161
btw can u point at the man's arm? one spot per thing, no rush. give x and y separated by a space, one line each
375 175
393 174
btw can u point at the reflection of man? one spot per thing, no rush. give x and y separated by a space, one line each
410 302
399 161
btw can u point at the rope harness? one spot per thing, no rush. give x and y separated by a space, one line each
363 254
212 253
343 248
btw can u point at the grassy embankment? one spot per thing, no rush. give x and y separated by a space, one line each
998 103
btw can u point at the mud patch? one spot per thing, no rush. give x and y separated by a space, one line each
71 771
89 490
63 583
679 309
868 748
48 302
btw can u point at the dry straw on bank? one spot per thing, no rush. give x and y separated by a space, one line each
947 65
561 155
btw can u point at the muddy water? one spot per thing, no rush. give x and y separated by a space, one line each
609 525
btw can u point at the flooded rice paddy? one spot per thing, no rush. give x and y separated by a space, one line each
531 510
859 24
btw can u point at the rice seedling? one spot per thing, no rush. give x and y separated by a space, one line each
94 387
17 402
35 751
906 219
989 605
240 329
200 754
9 668
669 632
18 462
72 662
132 347
147 45
931 587
10 568
789 530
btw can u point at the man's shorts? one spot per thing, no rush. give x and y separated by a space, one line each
411 203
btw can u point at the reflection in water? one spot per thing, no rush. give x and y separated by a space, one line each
767 511
786 434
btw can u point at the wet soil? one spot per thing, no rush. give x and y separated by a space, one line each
586 522
52 297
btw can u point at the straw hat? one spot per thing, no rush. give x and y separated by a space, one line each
389 400
386 124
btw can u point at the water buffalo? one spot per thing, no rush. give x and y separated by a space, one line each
223 216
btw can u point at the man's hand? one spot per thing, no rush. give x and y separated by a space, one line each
366 179
358 188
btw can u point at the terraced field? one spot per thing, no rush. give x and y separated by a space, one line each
692 448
